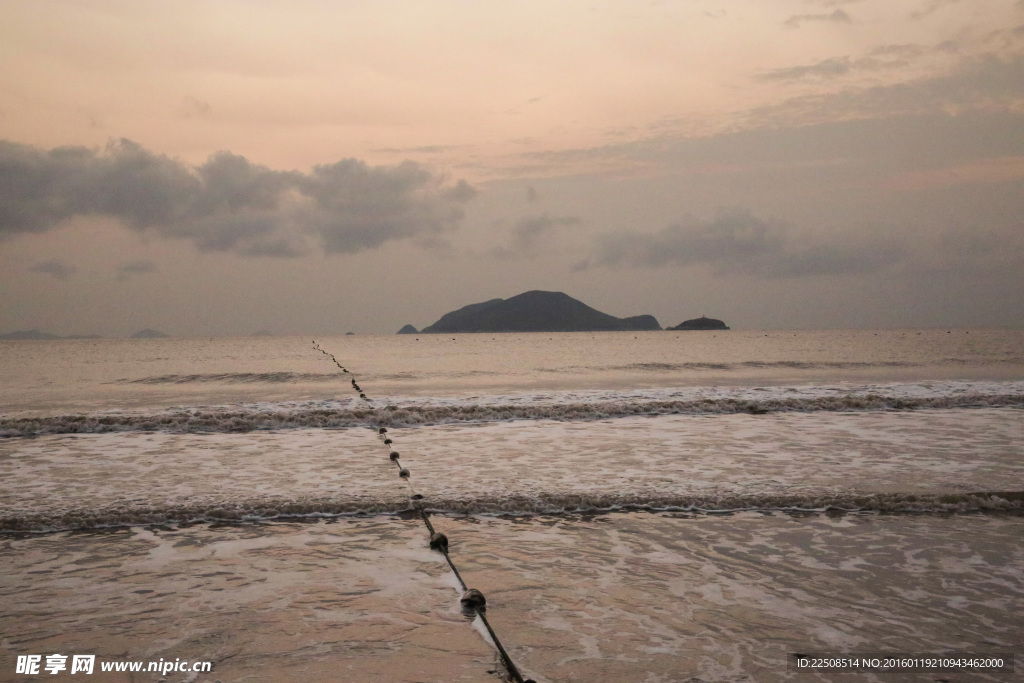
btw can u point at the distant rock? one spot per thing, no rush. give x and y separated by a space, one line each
29 334
701 323
37 335
150 334
642 322
349 334
408 329
536 311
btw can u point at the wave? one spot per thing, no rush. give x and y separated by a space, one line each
236 378
307 377
769 365
285 377
285 416
133 514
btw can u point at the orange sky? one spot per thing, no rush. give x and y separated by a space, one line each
626 118
467 84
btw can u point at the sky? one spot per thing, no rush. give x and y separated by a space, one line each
219 168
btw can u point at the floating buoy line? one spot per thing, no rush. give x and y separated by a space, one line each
472 600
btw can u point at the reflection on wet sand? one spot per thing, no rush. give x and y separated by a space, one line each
616 597
359 600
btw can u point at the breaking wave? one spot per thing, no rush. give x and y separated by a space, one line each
768 365
133 514
310 377
235 378
229 419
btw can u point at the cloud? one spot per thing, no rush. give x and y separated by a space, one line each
930 7
883 57
836 16
192 107
421 149
957 86
227 203
528 231
54 267
905 50
988 82
737 242
356 207
839 66
126 270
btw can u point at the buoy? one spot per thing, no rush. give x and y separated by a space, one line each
403 473
473 598
438 541
382 430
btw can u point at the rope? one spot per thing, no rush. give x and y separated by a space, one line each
471 599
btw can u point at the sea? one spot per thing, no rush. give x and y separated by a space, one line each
810 505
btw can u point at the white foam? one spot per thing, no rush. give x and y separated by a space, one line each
568 406
907 460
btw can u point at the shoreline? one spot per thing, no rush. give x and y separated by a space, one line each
602 598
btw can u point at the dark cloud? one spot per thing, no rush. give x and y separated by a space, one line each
56 268
737 242
528 231
228 203
139 267
836 16
358 207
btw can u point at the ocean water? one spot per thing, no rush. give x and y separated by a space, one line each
650 506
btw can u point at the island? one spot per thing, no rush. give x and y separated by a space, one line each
536 311
36 335
149 334
32 335
408 329
701 323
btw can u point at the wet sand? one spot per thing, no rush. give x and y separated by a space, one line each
614 597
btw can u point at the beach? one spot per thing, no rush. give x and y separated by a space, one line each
636 507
